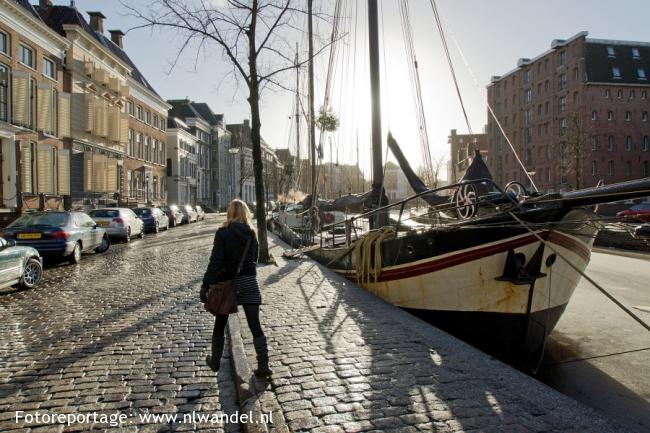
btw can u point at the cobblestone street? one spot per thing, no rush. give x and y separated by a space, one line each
120 332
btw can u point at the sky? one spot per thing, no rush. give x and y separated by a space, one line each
492 36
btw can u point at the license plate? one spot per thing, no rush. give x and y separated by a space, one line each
29 236
103 223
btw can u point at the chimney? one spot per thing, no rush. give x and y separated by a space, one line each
97 21
116 37
44 4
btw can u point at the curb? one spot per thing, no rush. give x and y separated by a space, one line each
623 253
246 396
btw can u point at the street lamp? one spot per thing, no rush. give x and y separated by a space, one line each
234 151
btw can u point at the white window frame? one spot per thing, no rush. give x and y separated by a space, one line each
6 50
641 74
32 59
47 62
8 88
635 53
616 73
611 53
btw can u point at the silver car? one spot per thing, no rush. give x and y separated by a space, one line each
19 265
119 222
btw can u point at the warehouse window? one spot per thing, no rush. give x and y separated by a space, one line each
26 56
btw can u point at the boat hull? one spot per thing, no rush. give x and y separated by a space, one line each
457 279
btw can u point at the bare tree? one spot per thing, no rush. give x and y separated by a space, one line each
250 35
575 146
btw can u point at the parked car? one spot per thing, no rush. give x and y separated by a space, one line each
200 214
174 214
639 212
19 265
63 234
189 214
153 218
119 222
642 232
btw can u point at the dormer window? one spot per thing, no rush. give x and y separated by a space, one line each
640 72
635 53
610 52
616 72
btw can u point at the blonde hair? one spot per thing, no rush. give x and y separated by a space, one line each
238 212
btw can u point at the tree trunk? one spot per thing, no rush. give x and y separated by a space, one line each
256 125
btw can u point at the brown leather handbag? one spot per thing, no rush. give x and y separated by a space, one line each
222 297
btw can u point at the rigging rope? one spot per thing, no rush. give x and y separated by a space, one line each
416 89
370 265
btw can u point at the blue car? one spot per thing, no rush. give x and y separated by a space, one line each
154 219
61 234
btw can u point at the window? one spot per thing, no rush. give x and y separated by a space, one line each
610 143
594 115
610 168
528 117
616 72
129 107
576 74
610 115
527 76
562 126
635 53
562 81
546 106
148 117
628 116
155 121
539 89
644 116
138 144
628 143
5 44
610 52
31 106
594 168
163 124
528 96
594 143
646 143
628 168
644 95
4 93
632 95
606 93
49 69
563 58
547 86
26 56
155 151
130 142
147 148
619 94
640 72
139 112
562 103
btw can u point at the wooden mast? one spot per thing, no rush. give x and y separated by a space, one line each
312 117
297 116
375 99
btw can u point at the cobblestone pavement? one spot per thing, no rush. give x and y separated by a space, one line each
120 332
346 361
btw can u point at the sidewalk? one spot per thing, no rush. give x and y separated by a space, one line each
346 361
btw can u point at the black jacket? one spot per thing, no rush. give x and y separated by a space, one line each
229 244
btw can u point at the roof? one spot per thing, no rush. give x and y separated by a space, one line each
183 109
600 63
26 5
176 123
206 113
58 16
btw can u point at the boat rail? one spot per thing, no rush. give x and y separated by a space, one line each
450 205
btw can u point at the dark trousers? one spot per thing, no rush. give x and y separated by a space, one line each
252 317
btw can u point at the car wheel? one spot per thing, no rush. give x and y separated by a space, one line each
172 223
32 273
157 228
103 247
141 234
127 238
75 257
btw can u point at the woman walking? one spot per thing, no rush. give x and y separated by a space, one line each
229 246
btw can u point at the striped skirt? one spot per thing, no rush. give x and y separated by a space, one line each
248 291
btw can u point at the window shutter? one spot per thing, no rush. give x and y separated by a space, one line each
44 98
114 123
88 171
21 97
90 112
26 157
64 172
45 170
124 129
111 174
64 114
99 172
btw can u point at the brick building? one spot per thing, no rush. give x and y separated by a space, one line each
575 114
461 149
118 121
34 113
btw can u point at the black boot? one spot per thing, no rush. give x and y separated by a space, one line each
214 360
262 351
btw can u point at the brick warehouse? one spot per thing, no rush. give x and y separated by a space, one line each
576 114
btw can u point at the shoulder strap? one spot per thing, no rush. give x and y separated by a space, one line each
243 256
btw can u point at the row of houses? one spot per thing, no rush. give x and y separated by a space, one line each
82 127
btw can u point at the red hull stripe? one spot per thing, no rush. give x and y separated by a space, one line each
468 256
